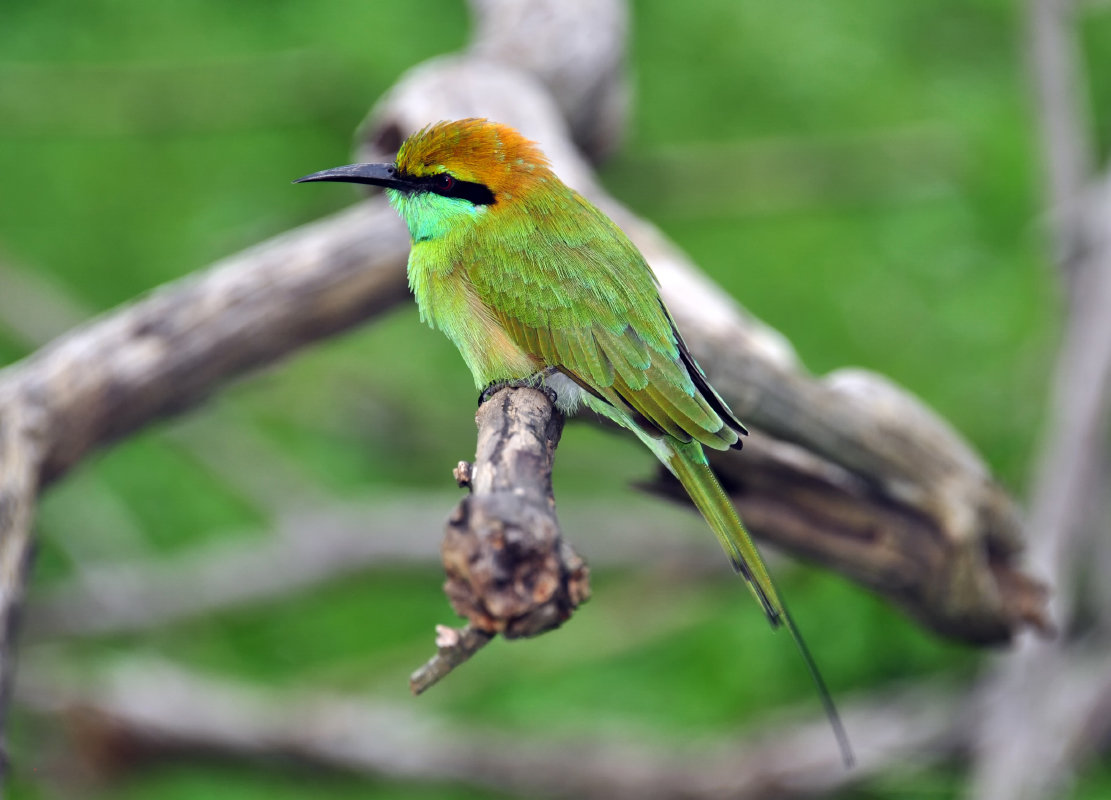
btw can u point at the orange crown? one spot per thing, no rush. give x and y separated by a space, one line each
474 150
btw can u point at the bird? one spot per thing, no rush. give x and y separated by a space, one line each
537 286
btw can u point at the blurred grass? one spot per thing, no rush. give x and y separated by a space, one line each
859 173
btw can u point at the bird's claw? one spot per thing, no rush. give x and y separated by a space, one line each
491 390
528 383
496 386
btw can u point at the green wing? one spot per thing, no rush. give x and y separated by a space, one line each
579 296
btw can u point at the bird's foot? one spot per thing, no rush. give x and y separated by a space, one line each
531 382
494 387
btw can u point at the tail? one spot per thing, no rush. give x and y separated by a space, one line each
688 463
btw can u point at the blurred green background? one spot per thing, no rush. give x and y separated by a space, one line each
866 181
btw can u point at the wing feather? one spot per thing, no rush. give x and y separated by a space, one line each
572 291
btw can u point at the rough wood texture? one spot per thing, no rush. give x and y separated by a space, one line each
509 571
570 53
167 352
822 512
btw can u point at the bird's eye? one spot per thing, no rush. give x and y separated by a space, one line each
444 182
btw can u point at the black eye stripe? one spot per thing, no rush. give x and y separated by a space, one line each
476 193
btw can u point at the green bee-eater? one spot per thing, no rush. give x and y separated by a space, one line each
533 283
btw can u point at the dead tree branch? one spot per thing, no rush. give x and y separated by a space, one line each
454 646
174 348
142 707
587 80
1060 92
508 569
167 352
20 455
1030 739
307 547
919 486
825 513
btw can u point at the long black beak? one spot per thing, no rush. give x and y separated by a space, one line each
373 174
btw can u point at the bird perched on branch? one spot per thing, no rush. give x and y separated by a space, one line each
535 285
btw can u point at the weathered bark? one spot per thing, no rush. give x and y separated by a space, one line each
502 550
509 571
825 513
168 352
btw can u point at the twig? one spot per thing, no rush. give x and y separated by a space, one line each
1079 404
454 646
